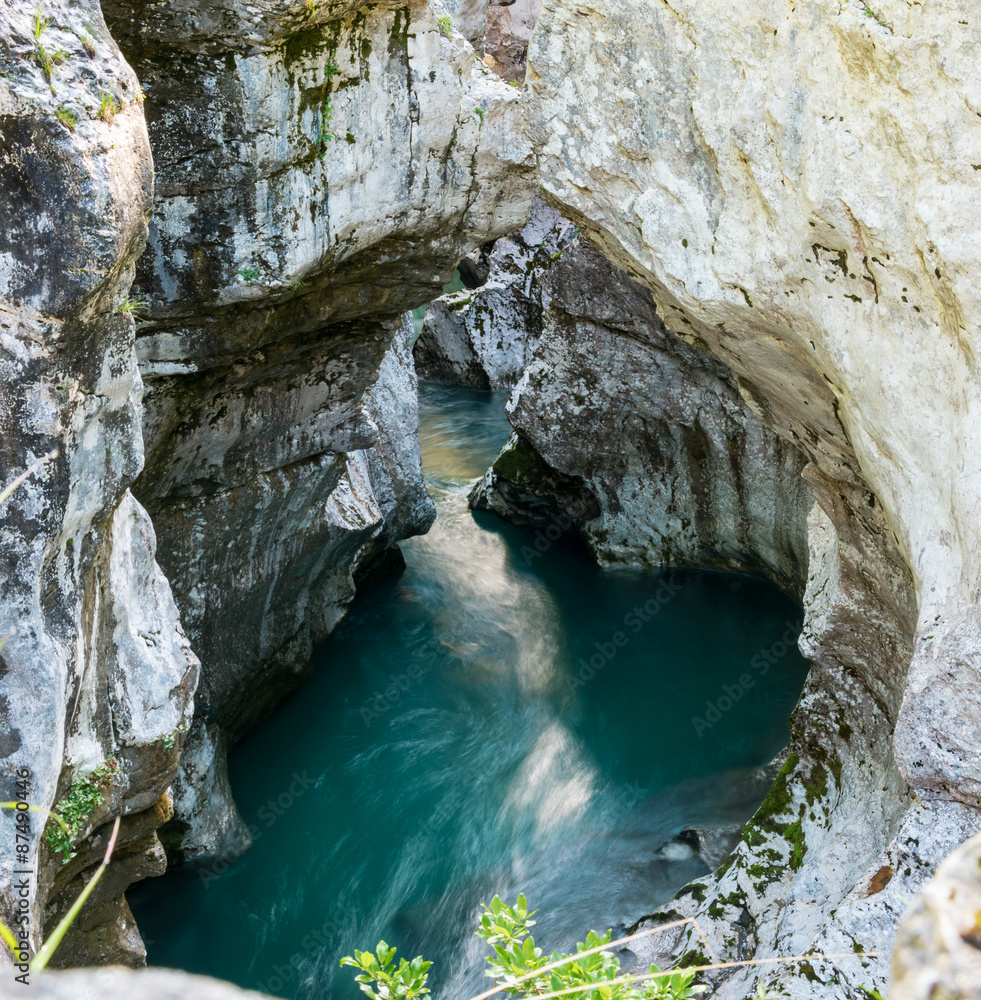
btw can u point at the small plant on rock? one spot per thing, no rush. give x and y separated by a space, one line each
130 307
250 275
445 24
40 23
108 107
67 117
47 58
326 117
77 806
876 16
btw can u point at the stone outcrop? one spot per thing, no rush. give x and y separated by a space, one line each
796 186
643 441
793 188
938 951
506 40
499 30
99 676
486 336
320 169
313 182
127 984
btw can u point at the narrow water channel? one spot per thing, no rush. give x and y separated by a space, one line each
455 741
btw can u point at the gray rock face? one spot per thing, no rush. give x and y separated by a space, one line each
508 33
127 984
99 669
744 165
320 169
317 175
937 949
486 336
642 440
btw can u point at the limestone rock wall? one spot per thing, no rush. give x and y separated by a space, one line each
320 168
642 440
937 950
506 40
797 188
99 673
486 336
319 171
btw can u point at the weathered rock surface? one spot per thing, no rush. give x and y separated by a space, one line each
938 952
642 440
126 984
317 175
313 182
486 336
99 669
796 187
481 23
506 40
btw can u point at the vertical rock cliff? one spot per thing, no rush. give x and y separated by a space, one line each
98 679
486 336
642 441
320 169
797 188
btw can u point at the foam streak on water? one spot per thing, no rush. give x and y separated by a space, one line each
450 748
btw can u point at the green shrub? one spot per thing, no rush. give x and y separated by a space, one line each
445 24
522 969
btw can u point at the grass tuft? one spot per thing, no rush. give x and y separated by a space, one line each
67 117
108 107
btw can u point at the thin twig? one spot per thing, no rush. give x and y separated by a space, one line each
47 950
24 476
665 974
37 809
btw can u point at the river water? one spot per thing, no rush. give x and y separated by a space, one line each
486 721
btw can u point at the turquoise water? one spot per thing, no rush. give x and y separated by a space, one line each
455 741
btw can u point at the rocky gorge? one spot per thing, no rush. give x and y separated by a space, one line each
757 355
